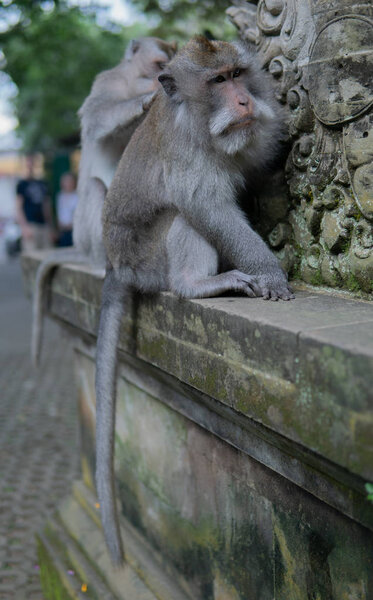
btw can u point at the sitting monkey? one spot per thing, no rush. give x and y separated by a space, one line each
110 114
171 218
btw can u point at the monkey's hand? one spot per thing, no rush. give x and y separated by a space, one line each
148 100
274 285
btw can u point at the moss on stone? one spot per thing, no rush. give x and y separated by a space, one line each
316 278
209 382
352 283
53 588
345 245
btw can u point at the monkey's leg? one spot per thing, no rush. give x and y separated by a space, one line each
193 266
87 229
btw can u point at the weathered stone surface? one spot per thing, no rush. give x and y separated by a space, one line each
320 55
243 442
341 57
248 354
222 520
64 546
334 230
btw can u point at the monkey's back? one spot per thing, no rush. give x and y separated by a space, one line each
136 212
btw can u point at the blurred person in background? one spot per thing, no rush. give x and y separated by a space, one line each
33 210
67 200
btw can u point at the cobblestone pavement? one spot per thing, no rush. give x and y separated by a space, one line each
38 436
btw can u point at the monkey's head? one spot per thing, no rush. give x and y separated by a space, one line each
218 87
150 54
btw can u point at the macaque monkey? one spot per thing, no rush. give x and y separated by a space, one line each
110 114
170 218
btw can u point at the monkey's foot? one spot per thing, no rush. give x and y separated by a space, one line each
275 288
242 282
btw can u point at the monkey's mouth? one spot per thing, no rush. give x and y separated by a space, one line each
245 122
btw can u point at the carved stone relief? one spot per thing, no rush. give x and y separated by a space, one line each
320 54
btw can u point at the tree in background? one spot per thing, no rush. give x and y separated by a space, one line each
181 19
52 53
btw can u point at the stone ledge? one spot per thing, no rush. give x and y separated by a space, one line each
303 370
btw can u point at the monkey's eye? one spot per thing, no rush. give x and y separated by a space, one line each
219 79
236 73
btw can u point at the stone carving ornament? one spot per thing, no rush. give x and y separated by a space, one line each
320 54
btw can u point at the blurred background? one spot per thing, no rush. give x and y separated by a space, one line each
50 52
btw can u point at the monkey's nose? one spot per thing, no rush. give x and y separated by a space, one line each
245 105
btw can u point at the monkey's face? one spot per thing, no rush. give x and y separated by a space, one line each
224 90
155 55
238 113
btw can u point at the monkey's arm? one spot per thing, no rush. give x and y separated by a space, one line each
219 220
121 115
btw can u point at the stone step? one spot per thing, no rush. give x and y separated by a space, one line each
72 542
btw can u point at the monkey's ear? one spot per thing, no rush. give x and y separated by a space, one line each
168 83
132 48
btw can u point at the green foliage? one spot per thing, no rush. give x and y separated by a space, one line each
369 489
181 19
53 52
53 56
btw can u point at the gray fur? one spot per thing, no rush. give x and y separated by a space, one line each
112 299
193 266
170 216
110 114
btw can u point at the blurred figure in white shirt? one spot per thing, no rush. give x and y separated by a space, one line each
67 200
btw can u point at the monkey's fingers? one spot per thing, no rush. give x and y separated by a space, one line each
249 292
270 294
251 284
274 295
287 297
256 288
286 294
148 100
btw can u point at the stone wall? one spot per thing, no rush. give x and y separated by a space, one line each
320 54
243 444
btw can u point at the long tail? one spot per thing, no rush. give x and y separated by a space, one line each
55 258
113 296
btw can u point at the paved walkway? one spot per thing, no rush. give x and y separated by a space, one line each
38 436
